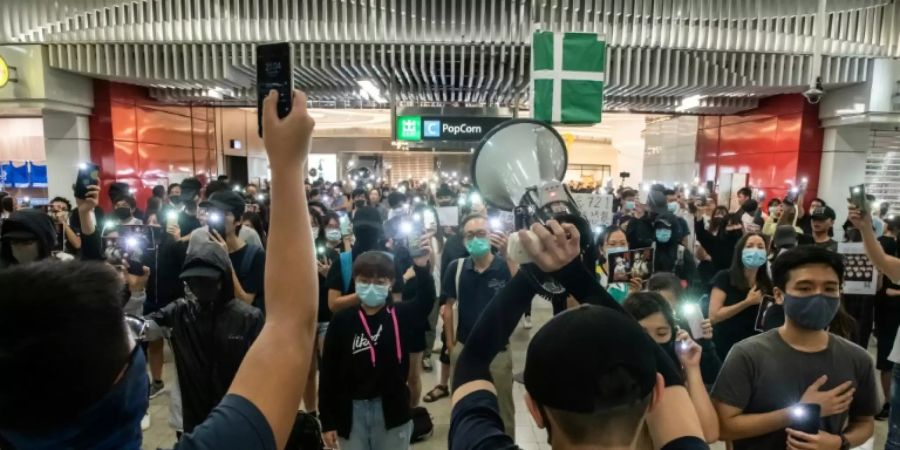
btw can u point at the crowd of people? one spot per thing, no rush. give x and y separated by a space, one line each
302 314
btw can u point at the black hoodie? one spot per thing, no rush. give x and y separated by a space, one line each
33 221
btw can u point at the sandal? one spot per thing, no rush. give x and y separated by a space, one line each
440 391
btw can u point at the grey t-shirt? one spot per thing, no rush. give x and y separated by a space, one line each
763 374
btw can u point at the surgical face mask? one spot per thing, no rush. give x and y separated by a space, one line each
629 205
618 291
25 252
814 312
123 213
372 295
478 247
315 232
612 250
672 207
333 234
753 257
663 235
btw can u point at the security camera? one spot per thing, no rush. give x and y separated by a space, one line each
814 93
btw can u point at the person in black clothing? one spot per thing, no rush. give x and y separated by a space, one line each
247 260
670 255
887 316
369 235
621 373
657 318
363 393
211 331
26 236
822 220
805 221
669 287
719 241
737 293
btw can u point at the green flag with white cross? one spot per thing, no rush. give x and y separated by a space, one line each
567 73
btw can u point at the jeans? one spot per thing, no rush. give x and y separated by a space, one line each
893 437
368 430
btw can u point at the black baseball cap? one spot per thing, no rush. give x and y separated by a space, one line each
571 358
823 213
228 201
666 220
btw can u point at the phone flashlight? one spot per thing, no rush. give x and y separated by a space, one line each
794 190
109 224
856 190
454 174
402 189
688 309
260 197
417 200
406 227
83 166
647 188
598 230
131 242
27 199
805 180
685 346
798 412
475 197
701 191
172 216
215 217
236 188
321 250
496 225
368 185
417 217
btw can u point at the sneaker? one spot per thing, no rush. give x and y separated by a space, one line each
145 422
526 322
156 388
427 365
885 412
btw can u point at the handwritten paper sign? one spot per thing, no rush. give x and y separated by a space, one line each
597 208
860 276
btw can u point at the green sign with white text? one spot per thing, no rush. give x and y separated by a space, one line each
409 128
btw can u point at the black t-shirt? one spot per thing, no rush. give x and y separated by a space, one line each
830 244
738 327
335 279
324 312
475 424
251 274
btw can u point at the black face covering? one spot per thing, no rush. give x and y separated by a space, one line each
367 238
175 199
123 213
359 203
205 289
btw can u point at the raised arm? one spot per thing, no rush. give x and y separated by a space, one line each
91 243
887 264
281 354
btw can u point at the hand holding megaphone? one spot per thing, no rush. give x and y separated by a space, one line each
550 247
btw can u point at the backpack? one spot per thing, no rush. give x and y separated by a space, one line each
423 427
346 270
306 433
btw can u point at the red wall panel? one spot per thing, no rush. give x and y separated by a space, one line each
143 143
777 143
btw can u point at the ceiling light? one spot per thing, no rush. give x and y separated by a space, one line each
215 94
689 103
372 90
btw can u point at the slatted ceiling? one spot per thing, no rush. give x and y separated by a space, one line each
883 168
409 165
474 51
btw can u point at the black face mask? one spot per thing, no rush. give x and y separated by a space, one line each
175 199
359 203
735 233
123 213
205 289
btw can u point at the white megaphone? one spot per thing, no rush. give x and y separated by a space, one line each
519 166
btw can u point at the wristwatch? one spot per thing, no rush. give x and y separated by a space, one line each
845 444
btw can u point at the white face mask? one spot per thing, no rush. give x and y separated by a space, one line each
25 252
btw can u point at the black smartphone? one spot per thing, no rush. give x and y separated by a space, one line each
792 195
858 198
274 70
215 220
805 417
88 175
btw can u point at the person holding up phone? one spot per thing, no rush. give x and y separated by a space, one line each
613 241
737 292
247 260
766 375
657 319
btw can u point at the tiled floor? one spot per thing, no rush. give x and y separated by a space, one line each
528 436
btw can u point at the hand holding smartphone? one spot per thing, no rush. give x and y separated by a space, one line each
858 198
805 417
274 71
694 317
88 175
